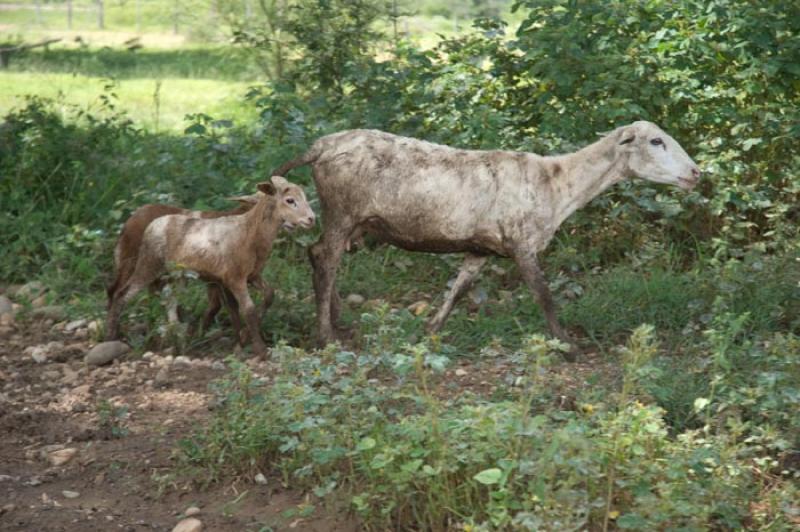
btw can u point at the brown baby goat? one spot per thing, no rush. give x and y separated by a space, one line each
228 250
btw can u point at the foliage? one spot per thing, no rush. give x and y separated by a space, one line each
354 425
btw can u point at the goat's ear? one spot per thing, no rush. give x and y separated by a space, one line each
245 201
280 182
267 188
627 138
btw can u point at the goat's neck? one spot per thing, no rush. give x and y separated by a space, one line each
587 174
262 227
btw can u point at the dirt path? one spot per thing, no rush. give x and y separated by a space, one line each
54 410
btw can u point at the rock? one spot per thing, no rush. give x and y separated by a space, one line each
94 327
260 479
74 325
418 307
39 354
105 352
30 290
6 307
190 524
460 372
182 361
70 494
61 456
39 302
50 312
162 377
70 376
10 507
218 365
148 355
192 510
50 375
355 300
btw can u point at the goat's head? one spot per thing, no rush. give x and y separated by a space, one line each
657 157
291 205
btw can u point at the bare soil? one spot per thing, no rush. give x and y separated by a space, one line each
124 481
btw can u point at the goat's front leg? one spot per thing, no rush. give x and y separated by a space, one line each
250 314
466 275
325 257
267 292
533 276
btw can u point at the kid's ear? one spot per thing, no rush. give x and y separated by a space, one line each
280 182
267 188
245 201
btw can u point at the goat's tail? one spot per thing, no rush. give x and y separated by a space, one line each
307 158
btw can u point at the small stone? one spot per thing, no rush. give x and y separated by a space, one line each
70 494
260 479
73 325
148 355
460 372
192 510
50 375
30 290
418 308
182 361
39 354
355 300
190 524
39 302
94 326
105 352
162 377
217 365
6 307
61 456
49 312
70 376
8 508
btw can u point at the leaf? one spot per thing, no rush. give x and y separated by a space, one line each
197 129
366 444
489 476
700 403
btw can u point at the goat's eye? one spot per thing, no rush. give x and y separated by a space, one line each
290 201
656 142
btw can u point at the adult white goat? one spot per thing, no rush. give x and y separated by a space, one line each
427 197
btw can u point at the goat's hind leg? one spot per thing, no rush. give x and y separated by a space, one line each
118 302
250 314
466 275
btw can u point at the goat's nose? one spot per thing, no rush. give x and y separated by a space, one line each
696 172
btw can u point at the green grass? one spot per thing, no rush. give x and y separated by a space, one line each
195 62
147 103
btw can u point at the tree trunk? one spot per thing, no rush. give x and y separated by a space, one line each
69 14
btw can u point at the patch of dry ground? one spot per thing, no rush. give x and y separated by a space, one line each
48 407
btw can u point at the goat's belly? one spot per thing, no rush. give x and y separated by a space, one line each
431 241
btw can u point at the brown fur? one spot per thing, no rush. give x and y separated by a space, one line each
229 249
126 251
